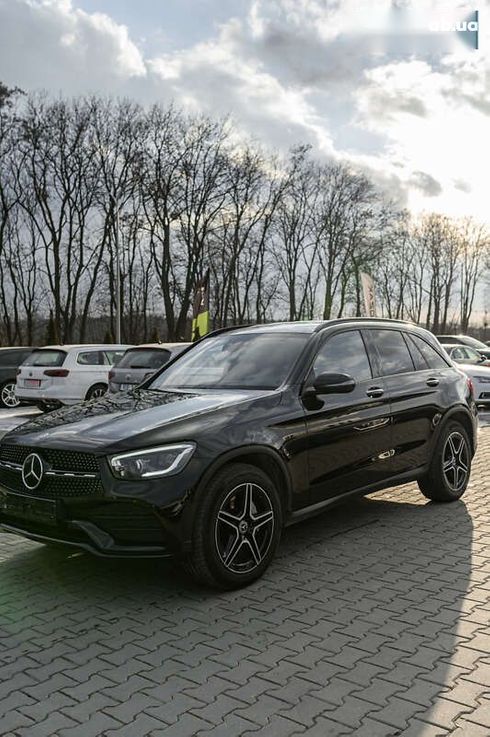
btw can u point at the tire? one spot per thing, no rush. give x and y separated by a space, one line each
237 528
47 406
96 391
7 395
450 468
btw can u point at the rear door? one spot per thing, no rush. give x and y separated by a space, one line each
90 368
416 392
349 435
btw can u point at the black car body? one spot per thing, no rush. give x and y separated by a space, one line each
465 340
141 362
331 409
10 360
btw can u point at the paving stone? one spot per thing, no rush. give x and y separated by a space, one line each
481 715
277 726
374 622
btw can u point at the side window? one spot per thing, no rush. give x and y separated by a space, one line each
471 354
393 352
90 358
343 353
457 354
434 360
417 355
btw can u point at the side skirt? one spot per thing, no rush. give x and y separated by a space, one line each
301 514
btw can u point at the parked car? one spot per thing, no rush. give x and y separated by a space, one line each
140 362
10 360
479 373
465 354
465 340
250 430
59 375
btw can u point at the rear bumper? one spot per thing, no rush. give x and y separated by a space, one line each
51 394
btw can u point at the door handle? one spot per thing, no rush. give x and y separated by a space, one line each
432 381
375 391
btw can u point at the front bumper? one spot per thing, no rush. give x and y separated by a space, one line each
106 528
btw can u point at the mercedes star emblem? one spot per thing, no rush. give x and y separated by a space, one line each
32 471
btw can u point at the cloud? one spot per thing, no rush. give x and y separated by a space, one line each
290 71
427 184
51 44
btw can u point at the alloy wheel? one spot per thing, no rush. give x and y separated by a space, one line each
455 461
8 396
97 393
244 528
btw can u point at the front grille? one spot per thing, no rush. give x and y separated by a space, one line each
57 486
53 487
61 460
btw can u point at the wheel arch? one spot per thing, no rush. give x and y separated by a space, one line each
265 458
462 415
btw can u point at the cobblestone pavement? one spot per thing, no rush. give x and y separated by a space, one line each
373 621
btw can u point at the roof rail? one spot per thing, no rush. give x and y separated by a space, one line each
340 320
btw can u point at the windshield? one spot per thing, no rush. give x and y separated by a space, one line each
476 343
144 358
231 361
45 358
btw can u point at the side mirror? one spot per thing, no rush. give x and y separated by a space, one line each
482 358
334 384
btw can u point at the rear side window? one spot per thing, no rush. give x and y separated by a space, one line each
144 358
417 355
90 358
432 357
45 357
343 353
393 352
113 358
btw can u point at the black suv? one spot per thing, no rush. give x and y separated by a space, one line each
10 360
248 430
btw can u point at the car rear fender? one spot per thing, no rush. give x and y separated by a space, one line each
462 414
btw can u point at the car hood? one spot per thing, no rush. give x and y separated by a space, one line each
127 418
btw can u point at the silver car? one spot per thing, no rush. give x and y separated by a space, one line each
140 362
477 367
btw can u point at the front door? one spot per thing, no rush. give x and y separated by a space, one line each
349 435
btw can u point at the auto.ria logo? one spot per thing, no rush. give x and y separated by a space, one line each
32 471
467 28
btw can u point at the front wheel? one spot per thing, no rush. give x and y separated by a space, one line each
450 468
237 528
7 395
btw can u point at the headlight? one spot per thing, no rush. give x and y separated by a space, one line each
167 460
482 379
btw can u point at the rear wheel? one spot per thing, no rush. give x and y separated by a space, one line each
237 528
96 391
7 395
450 469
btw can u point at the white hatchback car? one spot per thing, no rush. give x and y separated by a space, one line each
66 374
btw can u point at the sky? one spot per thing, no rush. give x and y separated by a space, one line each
375 83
